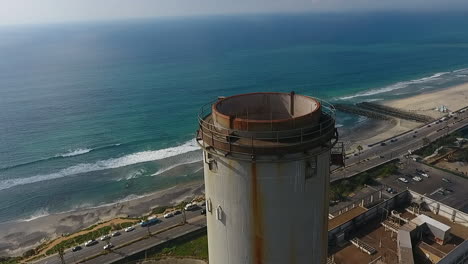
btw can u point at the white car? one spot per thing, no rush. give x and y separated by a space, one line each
108 246
104 237
129 229
190 206
417 178
169 215
403 180
116 233
425 175
90 243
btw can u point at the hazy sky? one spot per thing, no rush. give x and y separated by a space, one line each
51 11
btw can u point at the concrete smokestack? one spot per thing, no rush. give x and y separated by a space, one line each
266 165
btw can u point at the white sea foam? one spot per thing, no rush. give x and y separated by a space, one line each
75 152
396 86
161 171
37 214
132 175
374 100
127 160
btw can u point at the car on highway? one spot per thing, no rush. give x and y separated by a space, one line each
446 180
177 212
381 156
116 233
129 229
169 215
108 246
77 248
105 237
424 174
383 144
91 242
403 180
414 136
191 206
151 221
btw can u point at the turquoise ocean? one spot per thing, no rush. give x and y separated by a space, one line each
98 113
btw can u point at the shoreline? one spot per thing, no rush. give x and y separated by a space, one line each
21 235
453 97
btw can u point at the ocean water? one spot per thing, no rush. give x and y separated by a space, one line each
96 113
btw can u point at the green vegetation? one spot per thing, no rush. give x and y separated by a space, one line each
9 260
343 188
443 141
159 210
88 236
463 155
194 248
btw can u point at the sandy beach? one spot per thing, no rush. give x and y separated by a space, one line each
454 98
17 237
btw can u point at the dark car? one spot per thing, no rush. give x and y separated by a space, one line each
203 212
75 249
383 144
414 136
177 212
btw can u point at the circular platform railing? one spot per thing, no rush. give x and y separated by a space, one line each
209 135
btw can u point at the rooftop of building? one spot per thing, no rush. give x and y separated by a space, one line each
374 235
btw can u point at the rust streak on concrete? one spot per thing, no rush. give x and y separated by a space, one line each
257 214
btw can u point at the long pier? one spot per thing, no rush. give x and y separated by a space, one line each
353 109
395 112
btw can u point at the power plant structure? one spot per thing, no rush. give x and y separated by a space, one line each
266 165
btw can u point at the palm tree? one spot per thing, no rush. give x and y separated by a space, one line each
61 254
359 148
426 141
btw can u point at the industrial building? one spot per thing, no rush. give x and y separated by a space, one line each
406 228
266 165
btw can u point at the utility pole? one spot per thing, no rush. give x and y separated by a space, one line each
149 231
184 217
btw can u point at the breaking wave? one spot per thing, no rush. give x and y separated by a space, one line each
135 158
399 85
75 152
70 153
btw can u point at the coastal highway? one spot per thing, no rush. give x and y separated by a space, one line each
195 221
377 154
